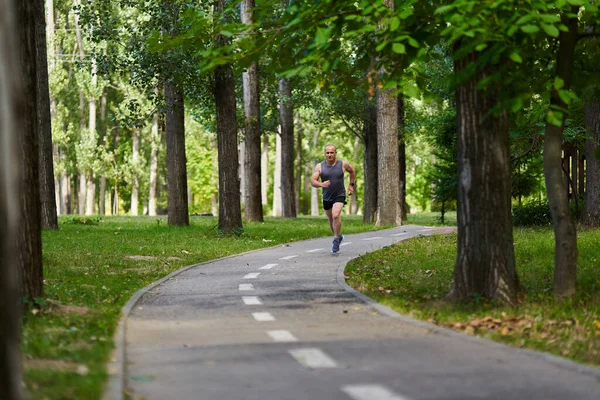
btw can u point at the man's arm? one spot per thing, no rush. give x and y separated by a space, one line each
314 179
348 168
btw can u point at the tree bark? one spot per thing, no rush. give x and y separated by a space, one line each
91 141
286 121
178 214
154 141
252 160
299 161
277 197
264 170
369 137
565 234
485 263
102 141
591 210
47 190
402 157
135 187
12 122
230 215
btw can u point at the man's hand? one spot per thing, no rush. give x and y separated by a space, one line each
350 190
325 184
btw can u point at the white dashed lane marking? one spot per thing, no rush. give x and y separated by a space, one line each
313 358
268 266
314 250
289 257
246 286
263 316
371 392
373 238
282 336
346 243
251 300
252 275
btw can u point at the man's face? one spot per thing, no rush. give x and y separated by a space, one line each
330 153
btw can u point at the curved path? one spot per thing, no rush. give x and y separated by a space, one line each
281 324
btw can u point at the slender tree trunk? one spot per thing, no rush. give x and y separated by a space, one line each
591 211
299 162
13 122
315 207
135 153
402 157
29 238
91 141
485 264
230 216
264 170
178 214
277 197
565 234
286 121
252 159
154 141
102 141
353 209
369 137
242 170
215 171
47 190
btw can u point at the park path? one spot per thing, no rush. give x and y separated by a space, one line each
280 323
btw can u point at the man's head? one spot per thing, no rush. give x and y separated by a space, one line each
330 153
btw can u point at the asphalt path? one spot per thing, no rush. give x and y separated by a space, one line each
281 324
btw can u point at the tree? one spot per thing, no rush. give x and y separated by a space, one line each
286 116
12 122
591 211
252 161
47 191
29 237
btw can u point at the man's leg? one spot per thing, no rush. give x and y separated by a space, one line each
336 217
329 214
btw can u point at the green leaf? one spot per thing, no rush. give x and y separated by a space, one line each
516 57
559 83
394 24
399 48
530 28
413 43
381 46
443 9
551 30
481 46
550 18
555 117
565 96
575 2
524 19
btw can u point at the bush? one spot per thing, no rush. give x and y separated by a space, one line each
533 214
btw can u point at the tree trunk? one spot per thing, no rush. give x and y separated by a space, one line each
91 141
252 160
565 234
135 187
277 197
102 141
402 157
389 210
29 239
178 214
215 171
591 211
47 190
299 162
369 137
12 122
485 264
154 141
264 170
286 121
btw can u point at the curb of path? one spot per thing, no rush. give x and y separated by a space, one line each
385 310
115 386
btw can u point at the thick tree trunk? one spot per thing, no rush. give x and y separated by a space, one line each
277 197
178 214
252 159
485 264
286 121
565 233
230 215
369 137
591 211
402 157
47 190
135 186
154 141
389 208
13 122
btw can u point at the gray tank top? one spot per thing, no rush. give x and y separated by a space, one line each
335 174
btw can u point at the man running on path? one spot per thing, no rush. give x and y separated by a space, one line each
331 171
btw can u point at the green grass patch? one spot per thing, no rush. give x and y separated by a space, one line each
413 277
92 266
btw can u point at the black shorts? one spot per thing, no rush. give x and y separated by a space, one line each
328 205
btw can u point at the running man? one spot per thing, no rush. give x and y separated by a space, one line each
331 171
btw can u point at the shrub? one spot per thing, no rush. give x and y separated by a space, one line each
532 214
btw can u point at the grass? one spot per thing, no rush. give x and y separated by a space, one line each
413 277
93 265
